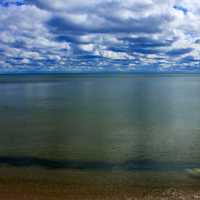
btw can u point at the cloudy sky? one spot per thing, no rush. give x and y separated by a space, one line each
99 35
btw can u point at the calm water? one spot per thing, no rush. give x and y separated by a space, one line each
126 122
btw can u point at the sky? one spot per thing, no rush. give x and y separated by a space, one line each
99 35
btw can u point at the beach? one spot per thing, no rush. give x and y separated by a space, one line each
31 191
22 184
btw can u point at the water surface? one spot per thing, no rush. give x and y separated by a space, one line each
100 122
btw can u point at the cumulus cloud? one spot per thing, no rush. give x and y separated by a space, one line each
93 35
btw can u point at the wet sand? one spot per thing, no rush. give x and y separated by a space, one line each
35 191
37 184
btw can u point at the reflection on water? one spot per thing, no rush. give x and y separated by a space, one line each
111 119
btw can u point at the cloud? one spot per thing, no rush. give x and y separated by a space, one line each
94 35
108 16
24 39
178 52
6 3
181 8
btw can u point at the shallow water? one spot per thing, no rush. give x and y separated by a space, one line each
100 122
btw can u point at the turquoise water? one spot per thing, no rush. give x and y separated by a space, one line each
104 122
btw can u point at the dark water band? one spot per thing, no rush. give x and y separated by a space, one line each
131 165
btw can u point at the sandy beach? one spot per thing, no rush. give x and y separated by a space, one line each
35 191
38 184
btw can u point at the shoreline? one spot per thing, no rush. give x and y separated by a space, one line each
40 184
33 191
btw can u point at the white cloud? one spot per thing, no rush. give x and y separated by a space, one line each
24 36
66 33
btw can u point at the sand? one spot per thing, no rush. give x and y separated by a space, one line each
33 191
37 184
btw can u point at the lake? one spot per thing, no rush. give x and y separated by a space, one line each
146 123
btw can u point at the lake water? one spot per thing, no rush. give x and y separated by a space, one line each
100 122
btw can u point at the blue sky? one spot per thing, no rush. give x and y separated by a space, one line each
99 35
